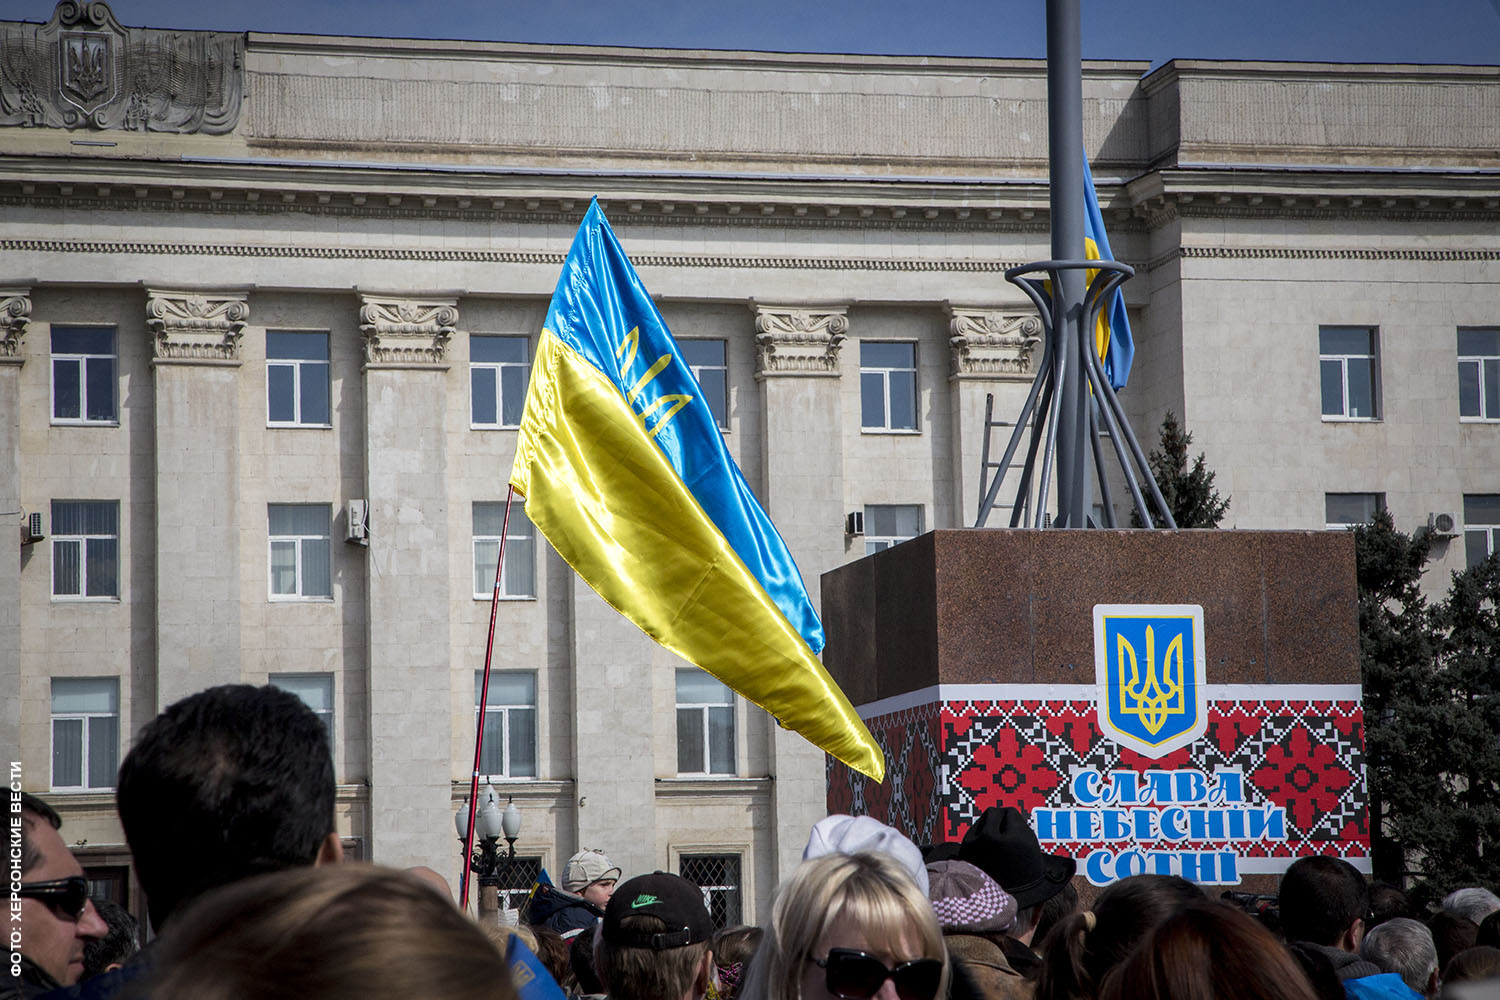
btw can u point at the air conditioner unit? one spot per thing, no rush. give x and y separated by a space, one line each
1443 524
854 523
358 522
31 529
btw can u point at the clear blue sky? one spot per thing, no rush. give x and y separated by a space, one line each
1424 31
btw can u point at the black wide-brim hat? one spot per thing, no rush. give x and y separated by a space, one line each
1004 846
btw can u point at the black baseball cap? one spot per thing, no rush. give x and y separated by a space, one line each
670 898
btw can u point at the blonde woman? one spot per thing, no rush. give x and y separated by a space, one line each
850 927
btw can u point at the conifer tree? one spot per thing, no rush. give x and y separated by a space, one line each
1189 492
1432 715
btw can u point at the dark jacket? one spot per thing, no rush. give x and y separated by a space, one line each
31 982
560 910
1347 964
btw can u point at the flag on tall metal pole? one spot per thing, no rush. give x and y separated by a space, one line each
1112 328
625 473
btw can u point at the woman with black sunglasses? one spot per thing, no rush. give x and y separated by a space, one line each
850 927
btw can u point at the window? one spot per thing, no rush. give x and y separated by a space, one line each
706 359
520 551
1350 374
297 392
301 563
498 369
1479 374
705 724
316 692
1346 510
86 549
509 724
1481 526
718 875
517 875
888 386
85 732
83 375
890 524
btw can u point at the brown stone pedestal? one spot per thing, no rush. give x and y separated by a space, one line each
971 655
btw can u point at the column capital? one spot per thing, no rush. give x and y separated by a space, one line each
196 328
406 332
15 314
798 340
990 344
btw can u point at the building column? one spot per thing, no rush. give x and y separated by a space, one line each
195 367
410 669
992 352
15 313
797 366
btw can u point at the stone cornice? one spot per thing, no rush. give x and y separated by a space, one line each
797 340
992 345
196 328
15 314
405 332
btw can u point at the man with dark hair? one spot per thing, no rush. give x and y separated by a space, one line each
227 783
55 918
1324 903
108 953
654 940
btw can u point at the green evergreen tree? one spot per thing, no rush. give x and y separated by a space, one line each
1432 715
1189 492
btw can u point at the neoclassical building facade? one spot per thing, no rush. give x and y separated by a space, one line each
266 310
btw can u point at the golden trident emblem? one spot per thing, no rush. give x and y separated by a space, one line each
1152 700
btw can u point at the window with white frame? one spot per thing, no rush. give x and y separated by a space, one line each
888 386
706 359
890 524
85 733
519 578
1349 371
297 380
1481 526
300 554
720 878
1348 510
316 692
705 724
86 549
509 724
498 369
83 375
1479 373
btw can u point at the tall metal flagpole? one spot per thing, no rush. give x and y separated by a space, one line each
484 699
1065 163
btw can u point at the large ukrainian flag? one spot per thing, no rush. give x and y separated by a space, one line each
1112 329
626 474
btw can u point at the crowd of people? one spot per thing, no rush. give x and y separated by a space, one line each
226 799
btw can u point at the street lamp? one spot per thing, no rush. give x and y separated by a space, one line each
491 824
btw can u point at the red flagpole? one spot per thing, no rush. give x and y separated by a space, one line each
484 699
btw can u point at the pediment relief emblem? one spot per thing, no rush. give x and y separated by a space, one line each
83 70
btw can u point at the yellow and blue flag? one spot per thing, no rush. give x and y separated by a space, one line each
1112 328
625 473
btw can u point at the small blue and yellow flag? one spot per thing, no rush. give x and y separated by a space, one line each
1112 329
625 473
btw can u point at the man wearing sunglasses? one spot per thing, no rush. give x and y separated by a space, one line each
56 917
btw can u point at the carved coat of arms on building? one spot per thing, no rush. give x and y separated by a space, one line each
83 70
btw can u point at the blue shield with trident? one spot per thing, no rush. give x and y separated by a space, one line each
1148 661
